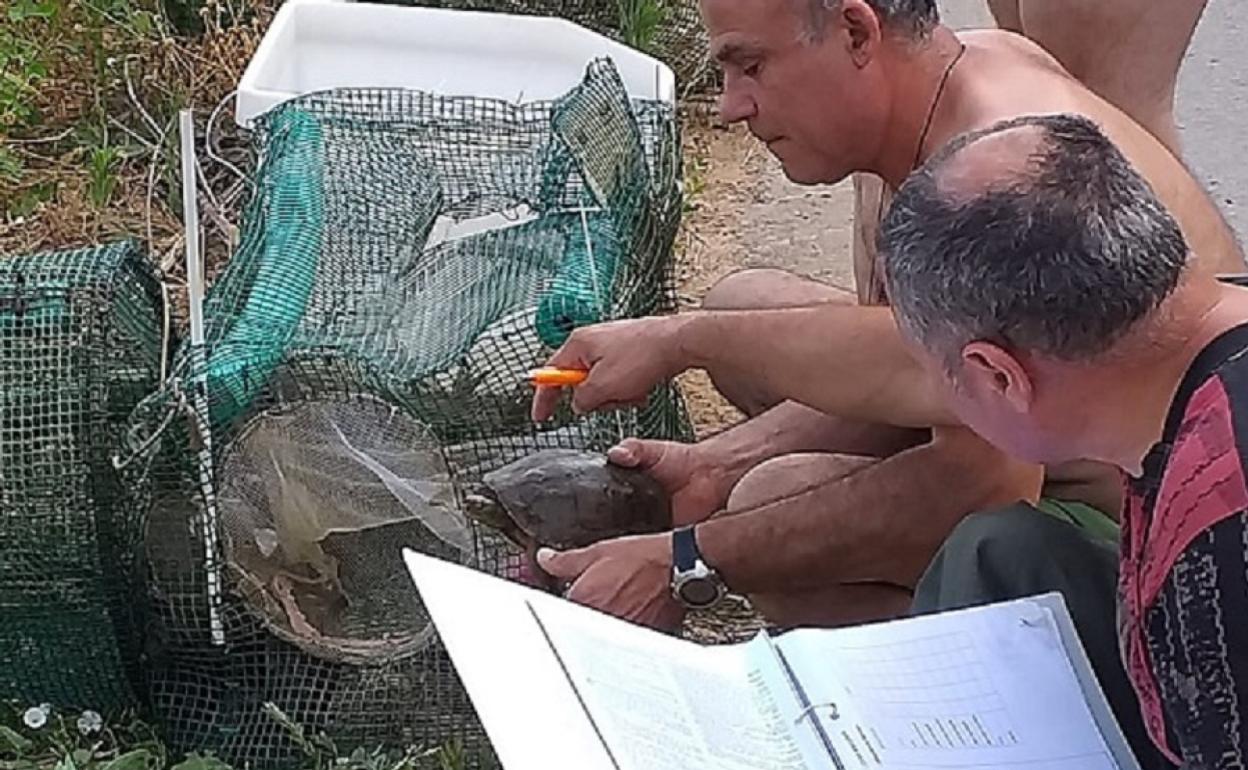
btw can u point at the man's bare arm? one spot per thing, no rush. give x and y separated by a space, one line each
842 360
955 473
790 428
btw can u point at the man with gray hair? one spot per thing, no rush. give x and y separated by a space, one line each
1051 297
814 507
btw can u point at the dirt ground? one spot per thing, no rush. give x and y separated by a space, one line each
746 214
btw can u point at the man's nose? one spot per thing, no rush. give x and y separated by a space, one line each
735 105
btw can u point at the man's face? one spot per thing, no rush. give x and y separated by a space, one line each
815 108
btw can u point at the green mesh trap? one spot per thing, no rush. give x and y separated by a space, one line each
669 30
406 260
79 348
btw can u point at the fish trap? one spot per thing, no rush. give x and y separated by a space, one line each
80 346
406 260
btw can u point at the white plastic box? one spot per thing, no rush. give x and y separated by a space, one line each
313 45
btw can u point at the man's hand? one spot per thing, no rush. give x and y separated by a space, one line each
697 487
625 360
628 577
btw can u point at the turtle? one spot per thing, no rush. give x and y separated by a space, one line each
566 498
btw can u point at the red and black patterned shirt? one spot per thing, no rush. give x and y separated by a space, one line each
1183 586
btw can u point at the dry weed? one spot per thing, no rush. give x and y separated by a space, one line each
112 93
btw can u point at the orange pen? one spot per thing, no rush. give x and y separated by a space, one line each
558 378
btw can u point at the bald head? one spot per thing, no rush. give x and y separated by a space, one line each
990 161
1035 234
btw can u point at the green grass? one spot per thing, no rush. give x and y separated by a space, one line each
640 21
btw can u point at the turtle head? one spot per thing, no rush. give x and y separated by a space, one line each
483 506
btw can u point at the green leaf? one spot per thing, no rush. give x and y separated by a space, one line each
143 23
15 740
640 21
199 762
22 10
28 201
103 178
82 757
139 759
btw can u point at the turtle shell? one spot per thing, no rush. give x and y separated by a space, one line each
566 498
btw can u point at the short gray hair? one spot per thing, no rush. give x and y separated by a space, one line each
1060 254
912 18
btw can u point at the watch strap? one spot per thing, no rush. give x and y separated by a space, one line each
684 549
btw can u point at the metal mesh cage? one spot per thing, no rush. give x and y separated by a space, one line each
79 348
406 260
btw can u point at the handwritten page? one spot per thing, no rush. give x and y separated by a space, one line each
987 687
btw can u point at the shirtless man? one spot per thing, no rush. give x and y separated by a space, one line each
824 519
1127 51
856 510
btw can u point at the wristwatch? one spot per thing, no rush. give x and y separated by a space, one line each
694 584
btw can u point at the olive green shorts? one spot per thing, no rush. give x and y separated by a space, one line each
1092 520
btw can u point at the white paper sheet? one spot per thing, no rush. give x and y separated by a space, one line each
987 687
668 704
516 684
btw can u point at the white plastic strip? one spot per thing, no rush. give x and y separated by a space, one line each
195 300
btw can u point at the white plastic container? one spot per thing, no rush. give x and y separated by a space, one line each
313 45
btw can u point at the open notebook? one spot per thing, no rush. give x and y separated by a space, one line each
558 685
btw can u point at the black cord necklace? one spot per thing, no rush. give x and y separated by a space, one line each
877 292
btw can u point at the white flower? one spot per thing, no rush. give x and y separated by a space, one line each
36 716
90 722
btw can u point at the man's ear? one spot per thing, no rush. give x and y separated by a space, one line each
989 368
862 24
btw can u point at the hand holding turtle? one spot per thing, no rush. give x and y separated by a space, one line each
565 498
629 577
697 488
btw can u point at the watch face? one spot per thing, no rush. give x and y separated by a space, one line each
699 592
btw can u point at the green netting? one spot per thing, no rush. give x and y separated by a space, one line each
670 30
79 348
407 259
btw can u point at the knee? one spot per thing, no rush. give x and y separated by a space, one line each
759 288
741 290
791 475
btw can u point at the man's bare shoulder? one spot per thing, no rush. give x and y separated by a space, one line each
1009 47
1010 76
